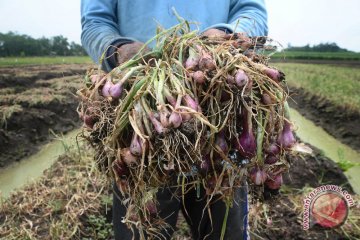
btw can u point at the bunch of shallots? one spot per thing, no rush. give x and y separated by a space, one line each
200 112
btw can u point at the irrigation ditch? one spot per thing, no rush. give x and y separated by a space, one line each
38 103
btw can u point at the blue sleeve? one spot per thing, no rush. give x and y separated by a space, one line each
249 16
100 30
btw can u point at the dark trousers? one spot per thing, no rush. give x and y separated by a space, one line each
204 225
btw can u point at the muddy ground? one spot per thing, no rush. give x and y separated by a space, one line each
36 99
33 101
81 208
286 208
341 123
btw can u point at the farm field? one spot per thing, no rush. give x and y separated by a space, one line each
290 55
340 85
81 208
35 99
22 61
329 96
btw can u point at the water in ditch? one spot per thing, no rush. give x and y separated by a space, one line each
331 148
28 169
20 173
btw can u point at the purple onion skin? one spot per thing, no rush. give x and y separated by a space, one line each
241 79
185 116
193 60
136 145
94 78
225 96
271 159
191 63
128 158
175 119
156 115
249 85
164 118
191 103
258 176
159 128
198 105
151 207
89 121
230 79
171 100
221 142
211 183
272 149
120 168
286 138
106 89
275 182
266 99
116 90
199 77
206 62
133 216
246 144
274 74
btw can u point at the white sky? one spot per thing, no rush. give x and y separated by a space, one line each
298 22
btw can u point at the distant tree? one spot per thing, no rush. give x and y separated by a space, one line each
14 44
60 45
77 50
322 47
44 46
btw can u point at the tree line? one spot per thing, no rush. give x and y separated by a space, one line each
322 47
19 45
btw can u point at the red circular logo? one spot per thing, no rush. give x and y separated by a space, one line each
329 209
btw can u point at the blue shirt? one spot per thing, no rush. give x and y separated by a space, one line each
110 22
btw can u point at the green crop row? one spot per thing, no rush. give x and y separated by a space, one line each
340 85
317 55
19 61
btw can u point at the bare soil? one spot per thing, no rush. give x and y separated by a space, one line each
286 208
33 101
342 123
43 209
45 100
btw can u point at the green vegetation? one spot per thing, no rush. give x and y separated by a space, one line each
322 51
340 85
20 61
322 47
345 164
14 44
317 55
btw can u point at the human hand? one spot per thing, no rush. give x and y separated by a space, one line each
241 39
214 33
127 51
